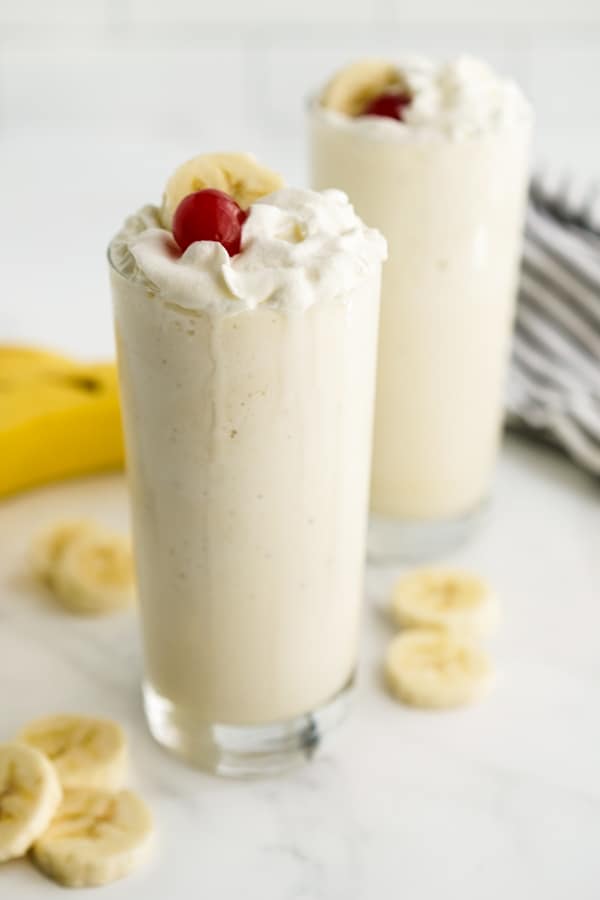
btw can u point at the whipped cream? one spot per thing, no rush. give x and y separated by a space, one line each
299 247
457 99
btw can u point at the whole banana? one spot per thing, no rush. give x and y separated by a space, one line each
58 418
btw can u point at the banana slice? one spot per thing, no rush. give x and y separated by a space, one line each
95 573
435 670
30 794
96 837
86 752
237 174
352 88
49 546
449 599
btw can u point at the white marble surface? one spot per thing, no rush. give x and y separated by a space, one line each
501 800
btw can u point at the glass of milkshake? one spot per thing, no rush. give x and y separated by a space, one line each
436 157
246 320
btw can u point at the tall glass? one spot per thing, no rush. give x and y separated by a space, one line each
248 451
452 212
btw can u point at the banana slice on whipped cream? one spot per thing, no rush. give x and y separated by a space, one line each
353 87
237 174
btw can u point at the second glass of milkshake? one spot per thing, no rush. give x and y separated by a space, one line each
246 320
436 157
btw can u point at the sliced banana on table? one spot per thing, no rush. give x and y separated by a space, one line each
50 544
353 87
85 751
96 837
89 569
30 794
95 573
236 174
435 670
449 599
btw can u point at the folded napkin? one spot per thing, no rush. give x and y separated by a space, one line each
554 380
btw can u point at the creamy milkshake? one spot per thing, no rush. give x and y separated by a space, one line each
247 384
436 157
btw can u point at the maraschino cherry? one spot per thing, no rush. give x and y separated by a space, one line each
209 215
391 106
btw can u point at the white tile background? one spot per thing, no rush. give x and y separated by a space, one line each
100 98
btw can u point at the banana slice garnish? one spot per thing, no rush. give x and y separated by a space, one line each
453 600
86 752
435 670
96 837
352 88
30 794
95 573
236 174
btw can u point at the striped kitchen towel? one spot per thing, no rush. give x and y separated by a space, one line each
554 379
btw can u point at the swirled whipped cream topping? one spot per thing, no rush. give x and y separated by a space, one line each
458 99
298 247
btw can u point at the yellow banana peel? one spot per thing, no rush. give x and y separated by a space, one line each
58 418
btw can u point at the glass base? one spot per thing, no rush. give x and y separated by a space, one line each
413 540
242 751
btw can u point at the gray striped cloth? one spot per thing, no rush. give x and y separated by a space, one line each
554 380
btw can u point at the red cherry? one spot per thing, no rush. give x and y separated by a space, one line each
389 105
209 215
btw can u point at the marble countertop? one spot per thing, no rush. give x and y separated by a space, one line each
499 800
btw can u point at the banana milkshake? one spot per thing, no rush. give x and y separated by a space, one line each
436 156
246 320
